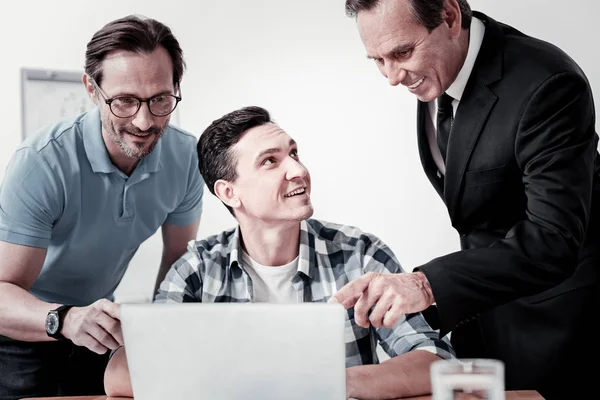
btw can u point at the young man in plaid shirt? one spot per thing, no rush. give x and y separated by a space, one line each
278 254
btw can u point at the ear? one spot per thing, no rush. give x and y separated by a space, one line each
452 16
89 88
226 193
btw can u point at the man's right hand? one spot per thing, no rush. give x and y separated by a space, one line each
97 326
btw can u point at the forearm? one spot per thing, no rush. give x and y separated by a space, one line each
116 377
402 376
22 315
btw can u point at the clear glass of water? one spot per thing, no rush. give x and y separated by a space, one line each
467 379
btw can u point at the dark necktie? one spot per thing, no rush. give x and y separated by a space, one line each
444 122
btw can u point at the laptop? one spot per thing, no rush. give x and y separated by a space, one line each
233 351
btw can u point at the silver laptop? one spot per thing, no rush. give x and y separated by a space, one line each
235 351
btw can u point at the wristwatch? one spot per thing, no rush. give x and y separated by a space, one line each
54 321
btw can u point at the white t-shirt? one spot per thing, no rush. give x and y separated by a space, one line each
271 284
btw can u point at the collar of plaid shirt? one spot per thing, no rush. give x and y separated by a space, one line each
311 244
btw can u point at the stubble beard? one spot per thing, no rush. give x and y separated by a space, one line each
138 152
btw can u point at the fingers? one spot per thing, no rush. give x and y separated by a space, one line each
96 331
112 309
394 314
351 292
361 309
381 308
109 331
91 343
370 298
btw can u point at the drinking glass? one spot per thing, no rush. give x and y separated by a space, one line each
467 379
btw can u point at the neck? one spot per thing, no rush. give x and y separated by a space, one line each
273 245
464 49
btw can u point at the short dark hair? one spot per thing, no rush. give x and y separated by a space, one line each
216 159
425 12
136 34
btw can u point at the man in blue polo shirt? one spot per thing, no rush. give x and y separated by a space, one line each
77 201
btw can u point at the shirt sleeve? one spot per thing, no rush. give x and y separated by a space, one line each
183 282
190 208
411 332
31 200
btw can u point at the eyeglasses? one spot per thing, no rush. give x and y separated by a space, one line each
160 105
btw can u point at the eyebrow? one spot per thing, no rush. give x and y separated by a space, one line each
127 94
398 49
272 150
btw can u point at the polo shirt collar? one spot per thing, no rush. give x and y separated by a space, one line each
93 143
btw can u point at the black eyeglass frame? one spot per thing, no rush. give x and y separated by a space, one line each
140 101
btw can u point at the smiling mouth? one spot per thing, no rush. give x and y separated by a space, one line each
140 135
296 192
416 84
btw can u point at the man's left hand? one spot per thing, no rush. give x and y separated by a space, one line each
392 295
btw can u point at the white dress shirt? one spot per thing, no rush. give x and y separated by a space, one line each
455 90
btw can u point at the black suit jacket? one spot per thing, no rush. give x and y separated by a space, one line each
522 189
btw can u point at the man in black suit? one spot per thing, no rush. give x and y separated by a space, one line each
506 134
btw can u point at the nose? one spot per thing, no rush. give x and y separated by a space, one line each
394 73
143 119
295 170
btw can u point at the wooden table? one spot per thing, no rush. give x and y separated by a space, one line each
510 395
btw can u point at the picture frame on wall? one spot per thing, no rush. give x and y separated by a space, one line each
47 96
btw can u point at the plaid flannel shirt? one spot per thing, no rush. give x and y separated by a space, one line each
330 256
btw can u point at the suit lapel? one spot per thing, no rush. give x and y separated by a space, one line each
471 115
473 110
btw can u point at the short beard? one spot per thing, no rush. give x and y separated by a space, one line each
128 151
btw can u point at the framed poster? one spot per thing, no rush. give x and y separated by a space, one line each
48 96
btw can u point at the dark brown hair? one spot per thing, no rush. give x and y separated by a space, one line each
216 159
425 12
136 34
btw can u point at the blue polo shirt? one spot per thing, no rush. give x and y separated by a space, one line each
62 192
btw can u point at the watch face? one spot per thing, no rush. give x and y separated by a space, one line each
52 323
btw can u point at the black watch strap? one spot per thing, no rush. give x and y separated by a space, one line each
60 313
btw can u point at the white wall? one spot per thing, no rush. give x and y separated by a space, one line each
302 60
